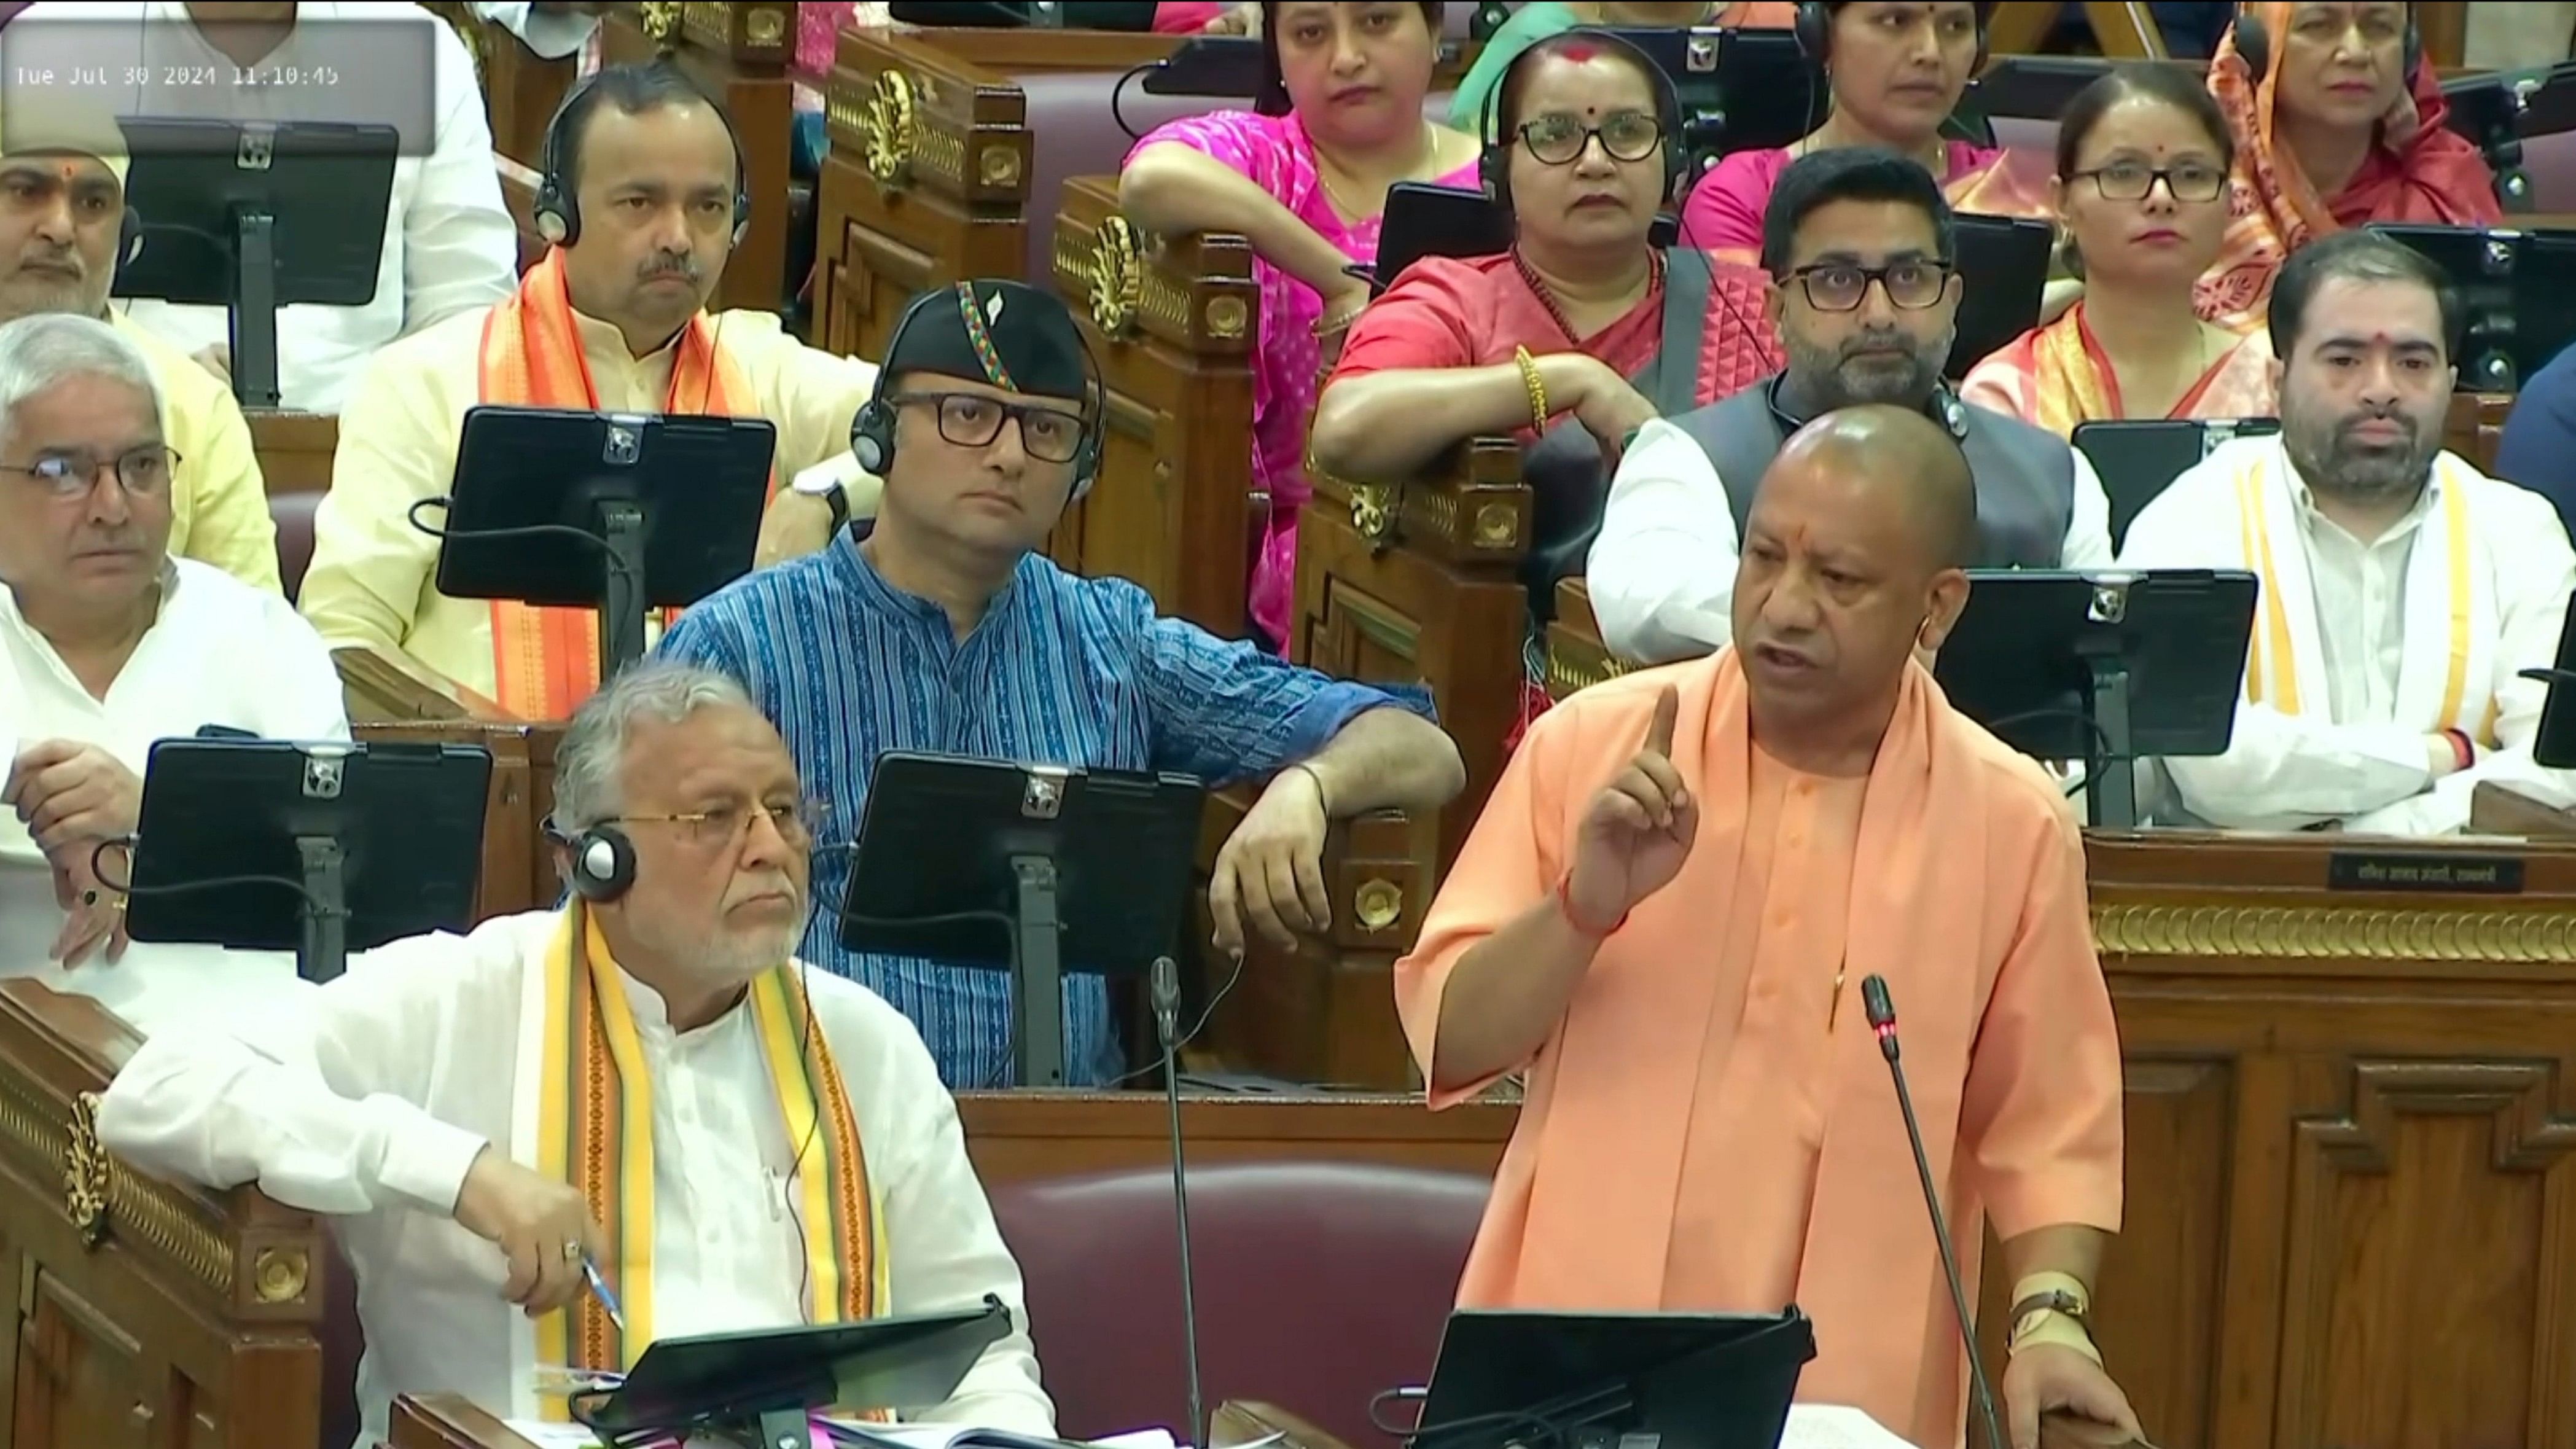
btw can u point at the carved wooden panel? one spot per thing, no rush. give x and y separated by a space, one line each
927 183
1418 583
1172 323
2475 426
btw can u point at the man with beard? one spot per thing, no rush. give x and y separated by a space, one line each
643 201
62 230
1860 245
645 1085
2402 590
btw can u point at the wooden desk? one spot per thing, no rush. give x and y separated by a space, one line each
146 1313
1013 1135
294 449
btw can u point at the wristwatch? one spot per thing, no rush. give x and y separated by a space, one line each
2057 1301
824 484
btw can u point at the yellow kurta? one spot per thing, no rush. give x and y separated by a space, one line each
373 577
218 503
1711 1126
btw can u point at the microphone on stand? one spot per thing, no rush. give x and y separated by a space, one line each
1166 991
1882 1020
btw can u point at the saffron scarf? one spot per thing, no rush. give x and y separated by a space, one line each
2448 643
545 661
2419 171
595 1131
2067 379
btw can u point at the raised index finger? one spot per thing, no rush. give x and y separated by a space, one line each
1659 732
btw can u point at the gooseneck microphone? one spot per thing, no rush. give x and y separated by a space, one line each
1166 992
1882 1020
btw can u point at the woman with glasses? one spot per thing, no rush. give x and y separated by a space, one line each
1893 74
2338 122
2142 162
1574 338
1304 177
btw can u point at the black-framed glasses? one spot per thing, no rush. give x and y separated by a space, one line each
1841 286
144 472
972 420
2129 181
797 822
1625 136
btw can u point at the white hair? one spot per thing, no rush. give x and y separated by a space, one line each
588 762
40 351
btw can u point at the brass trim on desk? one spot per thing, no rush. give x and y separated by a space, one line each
2329 932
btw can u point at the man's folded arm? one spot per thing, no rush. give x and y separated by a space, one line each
1662 569
317 1103
2281 767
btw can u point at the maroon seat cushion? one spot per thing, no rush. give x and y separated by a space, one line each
293 515
1320 1285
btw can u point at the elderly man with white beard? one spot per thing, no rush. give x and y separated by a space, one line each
644 1083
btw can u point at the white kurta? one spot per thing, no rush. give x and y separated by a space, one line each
370 1097
2364 652
1662 570
221 653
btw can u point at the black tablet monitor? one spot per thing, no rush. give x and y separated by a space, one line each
1517 1377
2138 458
2003 274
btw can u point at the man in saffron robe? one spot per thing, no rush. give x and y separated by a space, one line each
612 319
1664 917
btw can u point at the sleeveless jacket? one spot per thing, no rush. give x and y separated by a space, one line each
2025 476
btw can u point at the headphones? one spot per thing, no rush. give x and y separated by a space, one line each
129 237
2254 43
1814 28
602 861
558 210
1494 163
872 431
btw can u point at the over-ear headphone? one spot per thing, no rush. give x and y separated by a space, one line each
872 431
602 861
129 236
1814 27
558 209
2254 43
1494 163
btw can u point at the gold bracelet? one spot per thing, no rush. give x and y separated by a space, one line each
1537 389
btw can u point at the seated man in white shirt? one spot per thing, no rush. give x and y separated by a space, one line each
449 243
550 29
106 645
479 1112
2402 591
1862 251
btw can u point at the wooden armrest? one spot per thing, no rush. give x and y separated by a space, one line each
383 685
2499 807
1239 1422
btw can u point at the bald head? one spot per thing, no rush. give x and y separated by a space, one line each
1897 460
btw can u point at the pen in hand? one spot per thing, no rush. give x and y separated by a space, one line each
599 1290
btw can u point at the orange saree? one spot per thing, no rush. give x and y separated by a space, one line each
2420 171
2058 376
545 661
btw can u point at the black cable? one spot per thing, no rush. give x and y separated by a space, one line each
626 569
98 869
1118 94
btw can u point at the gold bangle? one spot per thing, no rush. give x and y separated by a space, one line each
1537 390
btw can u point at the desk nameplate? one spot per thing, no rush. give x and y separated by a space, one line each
2424 871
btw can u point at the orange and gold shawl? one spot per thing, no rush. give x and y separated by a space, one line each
545 661
595 1131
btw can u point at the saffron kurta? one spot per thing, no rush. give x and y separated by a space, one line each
1711 1127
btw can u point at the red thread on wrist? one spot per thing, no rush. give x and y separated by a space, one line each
2463 752
1565 908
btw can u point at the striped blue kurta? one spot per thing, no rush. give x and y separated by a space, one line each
1060 671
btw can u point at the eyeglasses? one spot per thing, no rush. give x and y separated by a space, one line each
2127 181
1841 287
797 822
971 420
143 472
1560 140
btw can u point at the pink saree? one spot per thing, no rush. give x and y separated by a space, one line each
1273 152
1723 213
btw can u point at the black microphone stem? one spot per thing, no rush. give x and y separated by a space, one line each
1166 986
1882 1018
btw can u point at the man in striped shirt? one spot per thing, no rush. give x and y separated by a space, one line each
940 627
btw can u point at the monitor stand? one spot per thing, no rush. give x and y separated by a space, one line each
254 318
619 523
1037 983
